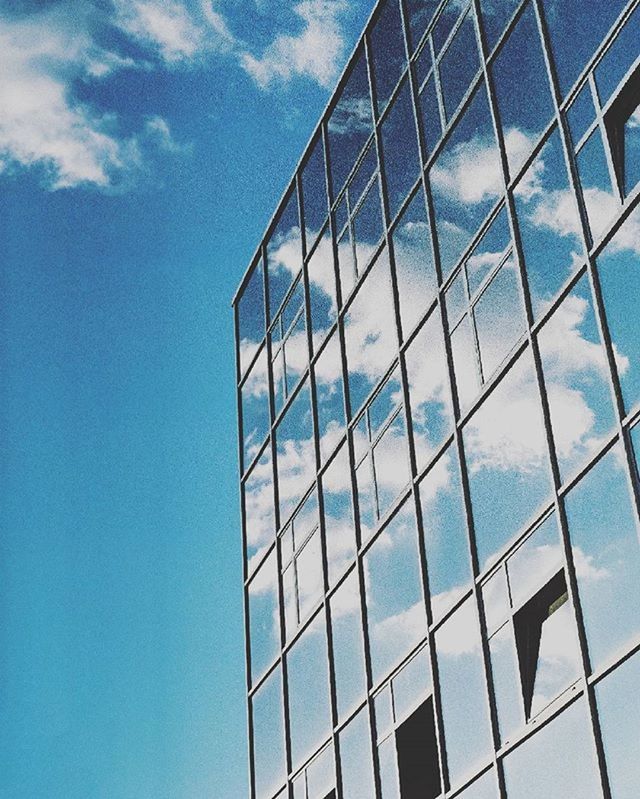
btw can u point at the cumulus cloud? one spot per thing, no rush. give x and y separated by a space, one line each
470 173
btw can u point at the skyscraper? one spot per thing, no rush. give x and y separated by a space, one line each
438 387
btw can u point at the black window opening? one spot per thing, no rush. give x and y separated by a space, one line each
622 122
417 750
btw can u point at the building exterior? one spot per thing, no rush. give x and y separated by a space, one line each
438 349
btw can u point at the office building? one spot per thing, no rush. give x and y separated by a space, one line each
438 348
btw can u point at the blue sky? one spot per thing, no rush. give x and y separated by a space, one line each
144 145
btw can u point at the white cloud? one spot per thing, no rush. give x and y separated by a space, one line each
314 53
470 173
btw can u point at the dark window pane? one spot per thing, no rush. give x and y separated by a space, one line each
387 52
314 192
522 89
445 23
603 529
348 647
495 16
284 253
367 227
581 114
268 737
251 317
417 749
459 65
430 112
420 14
632 151
400 149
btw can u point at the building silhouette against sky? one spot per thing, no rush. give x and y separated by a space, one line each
438 382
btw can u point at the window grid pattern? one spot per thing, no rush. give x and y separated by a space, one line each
369 177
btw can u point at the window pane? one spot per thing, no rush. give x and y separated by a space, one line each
465 712
581 114
322 289
430 113
391 463
340 534
466 180
314 192
290 351
522 89
357 759
400 149
259 514
489 252
396 614
412 684
619 712
577 380
390 788
413 257
264 618
599 199
484 788
576 28
550 230
535 561
350 124
446 22
296 456
494 18
308 681
419 13
251 316
284 253
602 525
387 51
367 227
632 151
557 762
619 270
348 648
506 682
329 396
506 453
309 570
459 65
268 737
371 340
429 392
619 58
465 363
321 776
255 408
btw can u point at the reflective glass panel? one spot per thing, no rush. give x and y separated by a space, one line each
576 373
263 617
295 452
619 58
308 682
465 710
495 16
430 112
506 452
330 396
259 514
322 289
535 561
489 252
411 685
632 151
321 776
268 737
387 51
400 149
549 226
255 408
284 253
459 65
357 759
581 114
391 463
251 324
484 788
396 614
367 227
314 192
339 525
445 22
522 89
599 199
429 393
604 535
419 13
556 762
413 258
506 682
348 647
619 270
465 362
390 789
618 697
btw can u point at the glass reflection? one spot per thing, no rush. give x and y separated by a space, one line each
390 788
429 392
295 452
259 513
459 65
348 647
284 253
604 535
550 230
367 227
322 289
495 15
356 758
268 737
330 396
581 114
400 149
255 408
465 712
396 614
507 457
619 58
419 14
387 53
308 684
601 203
484 788
576 374
506 682
430 113
289 349
264 620
251 323
339 525
314 192
411 685
535 561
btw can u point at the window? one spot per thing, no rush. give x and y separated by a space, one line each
317 780
289 351
284 253
622 122
251 316
356 759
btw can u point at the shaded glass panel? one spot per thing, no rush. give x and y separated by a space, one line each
322 289
459 65
339 525
618 698
581 114
387 53
550 229
330 396
251 323
576 373
284 253
619 58
413 257
264 621
295 452
631 135
419 14
465 710
599 198
445 22
348 647
350 123
576 28
556 762
430 113
371 340
255 408
604 535
495 15
308 683
429 393
522 89
268 737
367 227
400 149
314 192
259 513
466 180
619 270
356 758
506 452
396 614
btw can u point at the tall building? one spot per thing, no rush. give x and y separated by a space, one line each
438 347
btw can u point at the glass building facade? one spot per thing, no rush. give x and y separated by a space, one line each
438 349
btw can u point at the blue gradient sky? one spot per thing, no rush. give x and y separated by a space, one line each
143 147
